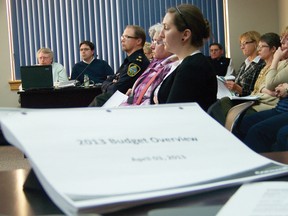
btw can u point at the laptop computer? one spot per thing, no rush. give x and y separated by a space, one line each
36 77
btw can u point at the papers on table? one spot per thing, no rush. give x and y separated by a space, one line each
223 91
121 157
66 84
262 198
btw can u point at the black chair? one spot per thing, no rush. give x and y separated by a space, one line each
234 115
215 111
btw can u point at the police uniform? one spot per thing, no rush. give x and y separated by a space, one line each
132 67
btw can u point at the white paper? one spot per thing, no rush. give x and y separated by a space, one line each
258 199
249 97
115 100
131 155
226 78
66 84
223 91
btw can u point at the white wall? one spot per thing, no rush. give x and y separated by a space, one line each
247 15
7 98
283 14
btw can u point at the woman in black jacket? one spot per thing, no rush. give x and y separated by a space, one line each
192 79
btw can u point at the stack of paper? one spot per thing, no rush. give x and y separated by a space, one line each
103 160
66 84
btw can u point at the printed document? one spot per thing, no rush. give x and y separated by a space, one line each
106 159
223 91
261 198
115 100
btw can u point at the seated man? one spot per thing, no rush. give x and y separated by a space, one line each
221 64
45 57
132 40
96 69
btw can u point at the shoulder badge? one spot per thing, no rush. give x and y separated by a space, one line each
133 69
139 58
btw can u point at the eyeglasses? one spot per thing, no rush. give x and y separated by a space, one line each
246 42
262 46
126 37
159 42
183 18
84 49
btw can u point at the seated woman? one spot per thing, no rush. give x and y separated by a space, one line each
153 75
266 81
193 79
148 51
247 75
259 131
250 68
272 75
267 46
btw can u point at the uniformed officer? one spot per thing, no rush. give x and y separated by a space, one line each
132 41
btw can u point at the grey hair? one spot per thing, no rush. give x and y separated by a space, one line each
156 28
45 51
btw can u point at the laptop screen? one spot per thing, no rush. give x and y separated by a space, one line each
36 76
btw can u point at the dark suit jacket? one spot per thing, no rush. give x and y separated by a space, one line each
194 80
220 65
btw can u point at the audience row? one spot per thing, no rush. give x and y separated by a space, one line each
264 127
175 71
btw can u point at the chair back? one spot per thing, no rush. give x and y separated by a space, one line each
215 111
236 113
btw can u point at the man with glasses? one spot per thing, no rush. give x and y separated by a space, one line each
96 69
161 64
132 41
45 56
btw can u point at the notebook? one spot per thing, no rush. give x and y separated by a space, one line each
36 77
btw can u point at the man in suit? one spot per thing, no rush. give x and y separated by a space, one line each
221 64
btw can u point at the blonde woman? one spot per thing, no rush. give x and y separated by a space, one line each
250 68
